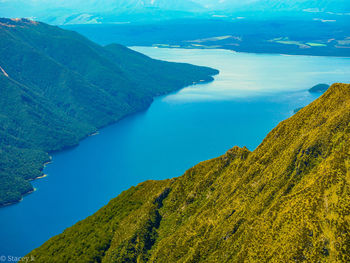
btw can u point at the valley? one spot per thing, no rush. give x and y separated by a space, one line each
176 132
276 203
62 88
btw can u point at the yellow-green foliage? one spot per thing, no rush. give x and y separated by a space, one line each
288 201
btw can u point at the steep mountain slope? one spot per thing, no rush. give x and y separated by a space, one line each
57 87
287 201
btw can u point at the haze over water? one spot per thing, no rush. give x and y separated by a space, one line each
245 75
252 94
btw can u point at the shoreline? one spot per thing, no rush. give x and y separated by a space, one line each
17 202
39 177
94 134
244 52
210 78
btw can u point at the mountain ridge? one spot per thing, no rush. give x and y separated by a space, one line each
111 11
60 87
288 200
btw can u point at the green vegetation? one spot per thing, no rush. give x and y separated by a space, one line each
57 87
271 34
316 44
286 41
287 201
319 88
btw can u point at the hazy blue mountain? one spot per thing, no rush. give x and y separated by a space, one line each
278 5
98 11
304 36
94 11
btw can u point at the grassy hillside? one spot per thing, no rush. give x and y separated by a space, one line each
58 87
287 201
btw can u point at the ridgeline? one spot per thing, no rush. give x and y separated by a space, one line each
287 201
57 87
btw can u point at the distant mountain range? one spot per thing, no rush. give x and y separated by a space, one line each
93 11
277 5
109 11
57 87
319 35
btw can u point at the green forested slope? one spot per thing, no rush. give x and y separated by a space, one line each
57 87
287 201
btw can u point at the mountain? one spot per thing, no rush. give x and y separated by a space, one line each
179 5
57 87
278 5
319 88
311 36
304 5
115 11
287 201
95 11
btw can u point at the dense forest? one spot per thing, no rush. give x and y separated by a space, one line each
287 201
57 87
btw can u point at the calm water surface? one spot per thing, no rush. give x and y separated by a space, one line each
252 94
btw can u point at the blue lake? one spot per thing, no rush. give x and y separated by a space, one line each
252 94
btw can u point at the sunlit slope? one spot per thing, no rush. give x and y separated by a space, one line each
288 201
57 87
